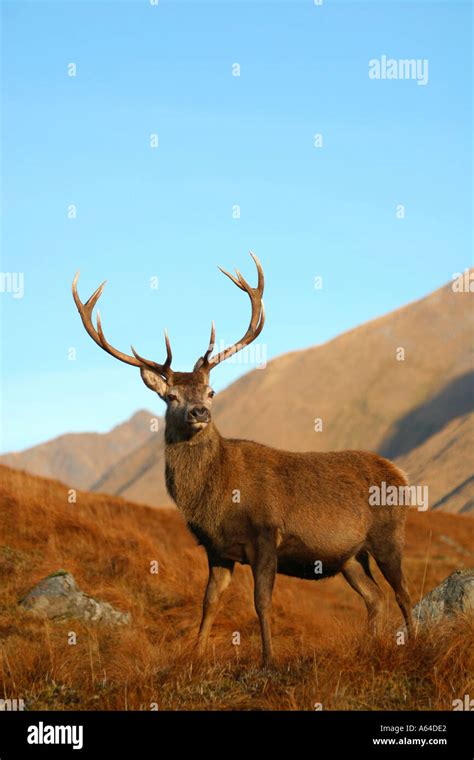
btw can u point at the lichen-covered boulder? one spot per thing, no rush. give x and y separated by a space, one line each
58 597
454 594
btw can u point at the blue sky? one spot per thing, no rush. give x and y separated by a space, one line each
224 140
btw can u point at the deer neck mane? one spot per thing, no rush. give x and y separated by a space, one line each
193 475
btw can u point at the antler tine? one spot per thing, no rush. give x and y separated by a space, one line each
169 355
261 278
91 302
85 310
231 277
257 318
165 368
212 341
203 360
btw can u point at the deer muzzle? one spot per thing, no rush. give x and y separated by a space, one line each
199 414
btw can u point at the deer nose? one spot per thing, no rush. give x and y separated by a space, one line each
199 413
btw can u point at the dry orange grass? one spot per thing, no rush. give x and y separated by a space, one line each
322 651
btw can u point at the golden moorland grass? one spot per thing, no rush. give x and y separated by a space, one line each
323 653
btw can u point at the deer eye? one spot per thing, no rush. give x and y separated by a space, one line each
171 397
211 394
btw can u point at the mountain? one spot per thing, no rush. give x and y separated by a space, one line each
319 629
444 461
416 410
401 385
79 459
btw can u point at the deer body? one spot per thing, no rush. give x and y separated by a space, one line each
315 503
302 514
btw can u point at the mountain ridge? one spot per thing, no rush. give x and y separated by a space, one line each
400 384
79 458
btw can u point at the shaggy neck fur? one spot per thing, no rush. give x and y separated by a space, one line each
194 476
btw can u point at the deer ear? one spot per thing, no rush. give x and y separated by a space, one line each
153 381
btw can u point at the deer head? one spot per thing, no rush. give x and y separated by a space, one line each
188 395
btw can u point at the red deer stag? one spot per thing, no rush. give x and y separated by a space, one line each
305 515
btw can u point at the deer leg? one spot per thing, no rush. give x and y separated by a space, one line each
357 573
390 563
220 575
264 567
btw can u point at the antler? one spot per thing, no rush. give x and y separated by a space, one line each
97 335
255 327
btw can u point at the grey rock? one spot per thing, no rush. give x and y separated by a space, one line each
58 597
454 594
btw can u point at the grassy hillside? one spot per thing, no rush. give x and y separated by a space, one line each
323 652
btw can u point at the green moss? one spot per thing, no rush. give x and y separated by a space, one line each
58 572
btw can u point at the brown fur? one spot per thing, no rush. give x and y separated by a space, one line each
281 512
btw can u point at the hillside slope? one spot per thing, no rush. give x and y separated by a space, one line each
319 628
365 397
79 459
445 462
